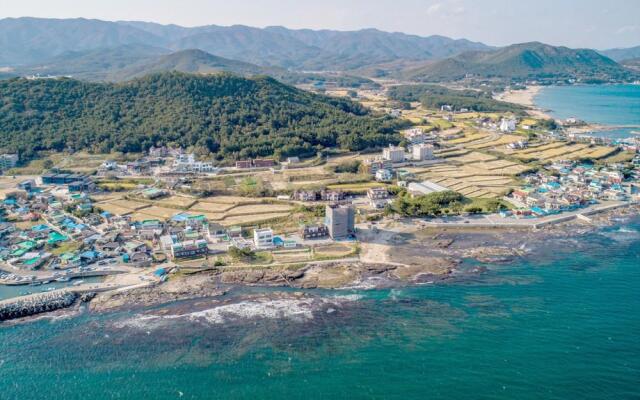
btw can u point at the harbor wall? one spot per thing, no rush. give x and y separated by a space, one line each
36 304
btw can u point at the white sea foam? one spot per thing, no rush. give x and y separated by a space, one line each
293 309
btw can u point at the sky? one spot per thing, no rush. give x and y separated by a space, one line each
597 24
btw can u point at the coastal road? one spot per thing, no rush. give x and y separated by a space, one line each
496 221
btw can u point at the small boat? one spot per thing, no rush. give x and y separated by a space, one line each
78 283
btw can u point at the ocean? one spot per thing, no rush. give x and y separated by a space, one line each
561 323
614 105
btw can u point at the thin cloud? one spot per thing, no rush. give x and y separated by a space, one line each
628 29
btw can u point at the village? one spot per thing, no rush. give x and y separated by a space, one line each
139 219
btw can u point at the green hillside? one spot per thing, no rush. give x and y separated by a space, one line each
524 61
228 116
434 97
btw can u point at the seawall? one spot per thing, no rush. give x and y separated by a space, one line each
36 304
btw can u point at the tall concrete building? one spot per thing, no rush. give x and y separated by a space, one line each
422 152
393 154
341 220
8 161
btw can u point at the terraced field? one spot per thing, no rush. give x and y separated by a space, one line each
474 174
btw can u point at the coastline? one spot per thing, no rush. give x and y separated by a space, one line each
526 98
407 256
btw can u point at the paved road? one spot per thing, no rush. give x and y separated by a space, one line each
495 220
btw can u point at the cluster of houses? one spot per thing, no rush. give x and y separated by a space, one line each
42 230
382 167
159 161
568 185
50 227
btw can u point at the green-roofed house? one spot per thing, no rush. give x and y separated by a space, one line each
55 237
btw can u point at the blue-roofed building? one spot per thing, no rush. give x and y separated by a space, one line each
89 256
538 211
41 228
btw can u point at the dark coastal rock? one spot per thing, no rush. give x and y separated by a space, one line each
87 297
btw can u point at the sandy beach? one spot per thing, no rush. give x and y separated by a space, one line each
525 98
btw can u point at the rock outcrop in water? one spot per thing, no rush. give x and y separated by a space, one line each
36 304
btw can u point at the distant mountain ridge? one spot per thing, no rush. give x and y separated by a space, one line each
27 41
622 54
521 62
128 62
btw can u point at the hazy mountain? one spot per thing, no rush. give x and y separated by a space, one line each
523 61
32 40
25 41
351 50
98 64
633 63
191 61
622 54
127 62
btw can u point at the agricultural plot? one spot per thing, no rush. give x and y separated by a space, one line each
480 175
502 141
472 158
258 209
176 202
131 205
468 138
292 256
159 212
229 200
251 219
211 207
113 209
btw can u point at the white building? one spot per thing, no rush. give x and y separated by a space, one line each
508 125
263 238
384 175
109 165
422 152
425 187
8 161
188 163
393 154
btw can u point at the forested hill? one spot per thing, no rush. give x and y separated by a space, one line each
229 116
525 61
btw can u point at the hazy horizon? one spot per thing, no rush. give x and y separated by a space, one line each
494 22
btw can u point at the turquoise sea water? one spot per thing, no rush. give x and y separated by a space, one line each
616 105
7 292
563 323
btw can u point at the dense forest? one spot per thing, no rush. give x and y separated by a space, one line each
434 97
228 116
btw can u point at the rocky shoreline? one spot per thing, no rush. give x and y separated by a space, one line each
408 257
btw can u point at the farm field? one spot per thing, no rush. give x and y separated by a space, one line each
227 210
176 202
250 219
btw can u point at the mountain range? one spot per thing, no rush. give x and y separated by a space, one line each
28 41
117 51
622 54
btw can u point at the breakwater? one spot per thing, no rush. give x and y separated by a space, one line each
36 304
